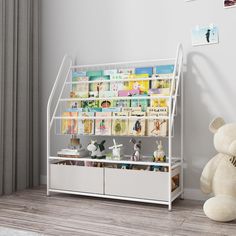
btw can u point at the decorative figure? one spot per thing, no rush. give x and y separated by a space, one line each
116 150
159 154
136 156
97 150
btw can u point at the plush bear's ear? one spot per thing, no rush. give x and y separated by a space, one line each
216 124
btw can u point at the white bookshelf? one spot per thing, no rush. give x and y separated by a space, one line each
125 184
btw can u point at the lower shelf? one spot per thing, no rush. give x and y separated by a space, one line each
138 185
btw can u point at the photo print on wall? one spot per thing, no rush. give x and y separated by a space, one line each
205 35
229 3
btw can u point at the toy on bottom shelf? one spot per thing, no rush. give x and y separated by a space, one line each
159 154
136 156
98 150
117 151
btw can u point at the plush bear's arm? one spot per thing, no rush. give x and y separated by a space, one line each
208 173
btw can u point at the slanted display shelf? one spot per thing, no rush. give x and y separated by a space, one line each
128 99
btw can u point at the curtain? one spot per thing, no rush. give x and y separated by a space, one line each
19 162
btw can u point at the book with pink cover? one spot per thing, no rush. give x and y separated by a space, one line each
103 125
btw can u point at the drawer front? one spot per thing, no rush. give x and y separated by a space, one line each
76 178
137 184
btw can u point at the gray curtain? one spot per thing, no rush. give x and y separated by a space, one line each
19 163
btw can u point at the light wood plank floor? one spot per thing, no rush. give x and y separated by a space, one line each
70 215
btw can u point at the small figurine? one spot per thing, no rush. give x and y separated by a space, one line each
136 156
159 154
116 150
98 150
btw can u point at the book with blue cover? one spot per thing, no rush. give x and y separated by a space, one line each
164 69
144 70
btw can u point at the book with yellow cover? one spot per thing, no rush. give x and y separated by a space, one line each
142 85
159 102
69 126
86 126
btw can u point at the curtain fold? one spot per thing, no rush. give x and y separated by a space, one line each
19 161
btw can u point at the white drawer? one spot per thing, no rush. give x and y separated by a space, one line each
76 178
136 184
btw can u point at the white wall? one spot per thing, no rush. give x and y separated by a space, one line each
120 30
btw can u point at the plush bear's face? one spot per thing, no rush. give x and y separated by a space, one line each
225 136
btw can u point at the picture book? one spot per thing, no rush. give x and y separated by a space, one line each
159 102
161 110
103 126
143 103
164 69
86 126
128 71
157 127
131 109
111 109
127 93
79 74
91 103
69 126
119 85
108 99
99 86
80 90
144 70
120 126
121 103
160 86
142 85
110 72
137 125
98 73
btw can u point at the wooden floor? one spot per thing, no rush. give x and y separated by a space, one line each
70 215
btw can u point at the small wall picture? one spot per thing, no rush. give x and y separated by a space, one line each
205 35
229 3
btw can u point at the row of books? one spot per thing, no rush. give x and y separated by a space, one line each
133 123
106 81
113 105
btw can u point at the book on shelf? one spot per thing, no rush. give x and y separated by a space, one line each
144 70
120 126
91 103
119 85
159 102
128 71
69 126
110 72
122 103
160 86
80 90
143 103
72 153
161 110
128 93
108 101
86 125
111 109
137 125
97 73
74 106
142 85
157 127
131 109
164 69
103 126
99 86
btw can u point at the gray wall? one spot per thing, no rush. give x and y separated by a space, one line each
109 31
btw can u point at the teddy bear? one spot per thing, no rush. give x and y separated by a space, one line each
219 175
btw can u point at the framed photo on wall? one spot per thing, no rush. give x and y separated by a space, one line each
229 3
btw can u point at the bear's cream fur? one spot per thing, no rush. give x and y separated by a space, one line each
219 175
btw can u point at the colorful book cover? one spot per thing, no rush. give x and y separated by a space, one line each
157 127
164 69
79 74
120 85
144 70
86 126
110 72
160 86
137 125
128 93
120 126
128 71
103 126
91 103
142 85
159 102
98 73
100 86
80 90
69 126
121 103
143 103
74 106
108 99
160 110
131 109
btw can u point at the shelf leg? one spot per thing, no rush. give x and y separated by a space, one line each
48 193
170 207
182 196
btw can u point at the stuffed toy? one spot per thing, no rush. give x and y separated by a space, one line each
219 175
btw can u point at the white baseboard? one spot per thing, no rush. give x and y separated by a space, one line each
189 193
